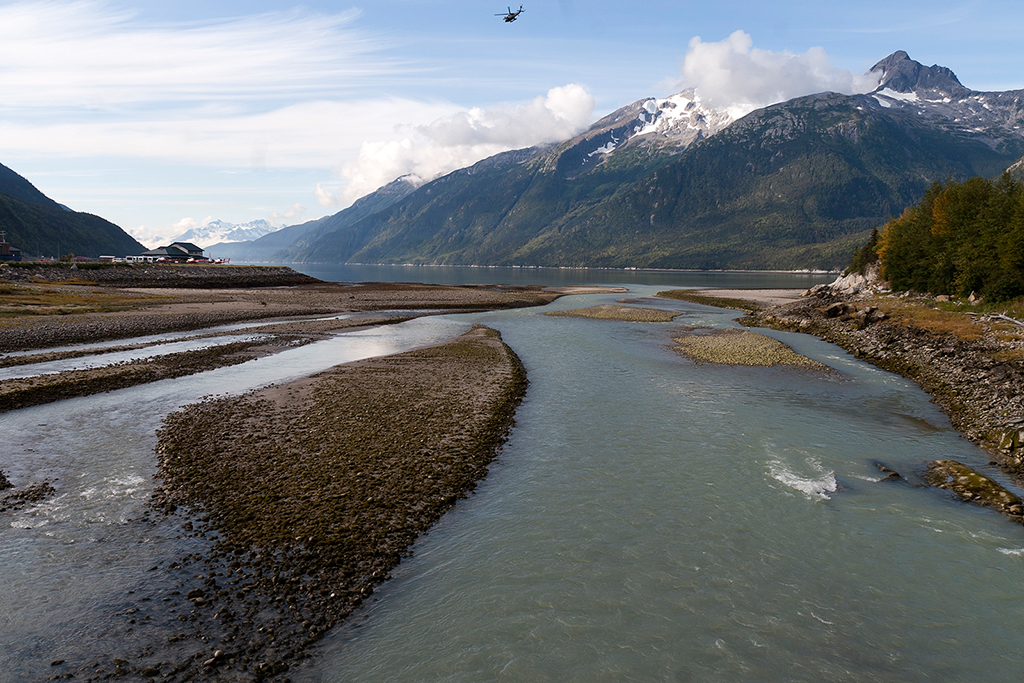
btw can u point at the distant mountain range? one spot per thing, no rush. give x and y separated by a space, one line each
39 226
672 183
218 231
660 183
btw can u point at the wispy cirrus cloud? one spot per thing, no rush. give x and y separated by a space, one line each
95 57
306 135
278 90
285 91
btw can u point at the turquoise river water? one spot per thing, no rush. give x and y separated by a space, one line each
649 519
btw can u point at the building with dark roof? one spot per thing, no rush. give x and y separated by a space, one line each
8 252
178 252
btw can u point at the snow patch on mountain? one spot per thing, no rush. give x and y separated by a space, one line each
681 119
217 231
935 95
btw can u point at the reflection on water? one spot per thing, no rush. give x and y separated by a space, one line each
100 360
462 275
70 562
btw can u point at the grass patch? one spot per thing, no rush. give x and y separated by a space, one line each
613 312
942 319
18 301
1007 355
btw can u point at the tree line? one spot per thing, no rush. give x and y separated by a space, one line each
962 238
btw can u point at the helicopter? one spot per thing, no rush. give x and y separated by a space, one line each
511 16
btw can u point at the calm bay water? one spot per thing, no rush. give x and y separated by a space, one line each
648 519
561 277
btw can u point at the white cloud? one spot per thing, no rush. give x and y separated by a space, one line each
305 135
459 140
280 91
325 197
88 55
295 211
733 75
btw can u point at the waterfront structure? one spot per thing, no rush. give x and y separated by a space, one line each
176 252
8 252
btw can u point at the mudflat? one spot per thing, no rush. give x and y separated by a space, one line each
48 315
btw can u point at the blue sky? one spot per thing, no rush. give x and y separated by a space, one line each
159 116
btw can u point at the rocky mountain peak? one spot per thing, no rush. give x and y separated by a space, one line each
902 74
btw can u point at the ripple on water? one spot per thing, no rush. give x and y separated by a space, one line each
815 486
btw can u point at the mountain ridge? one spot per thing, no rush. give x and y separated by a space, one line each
670 183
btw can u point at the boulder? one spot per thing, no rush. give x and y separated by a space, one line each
856 283
973 486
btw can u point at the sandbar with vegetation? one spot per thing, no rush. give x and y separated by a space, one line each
635 314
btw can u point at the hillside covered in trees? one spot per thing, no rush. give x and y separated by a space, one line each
962 238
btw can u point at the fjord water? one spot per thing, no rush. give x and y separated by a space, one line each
654 520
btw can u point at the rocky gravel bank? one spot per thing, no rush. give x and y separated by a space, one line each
174 309
158 275
978 383
738 347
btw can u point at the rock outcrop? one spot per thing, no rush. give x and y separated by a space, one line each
974 487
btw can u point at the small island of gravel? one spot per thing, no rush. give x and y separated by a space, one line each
738 347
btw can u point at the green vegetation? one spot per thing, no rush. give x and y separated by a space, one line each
1017 170
40 230
866 255
962 238
796 185
615 312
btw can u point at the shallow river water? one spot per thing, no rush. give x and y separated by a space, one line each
653 520
648 519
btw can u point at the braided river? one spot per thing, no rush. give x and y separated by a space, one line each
649 519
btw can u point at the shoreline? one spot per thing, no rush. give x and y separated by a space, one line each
285 316
627 269
976 382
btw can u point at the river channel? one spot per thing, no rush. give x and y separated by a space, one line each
649 519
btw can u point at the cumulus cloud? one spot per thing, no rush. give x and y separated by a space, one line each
294 212
733 75
461 139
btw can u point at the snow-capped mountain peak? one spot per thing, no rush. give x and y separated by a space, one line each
672 124
935 95
680 119
217 231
